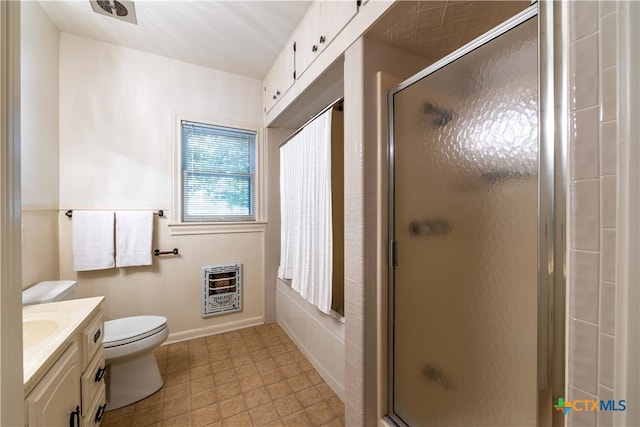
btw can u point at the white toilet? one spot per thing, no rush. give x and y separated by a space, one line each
132 372
129 342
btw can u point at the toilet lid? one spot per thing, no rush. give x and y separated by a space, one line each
129 329
49 291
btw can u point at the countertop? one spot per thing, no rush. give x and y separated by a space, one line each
59 322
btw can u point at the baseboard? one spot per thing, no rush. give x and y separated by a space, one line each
214 329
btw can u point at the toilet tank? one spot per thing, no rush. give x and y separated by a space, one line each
49 291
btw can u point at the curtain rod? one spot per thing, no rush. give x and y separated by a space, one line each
324 110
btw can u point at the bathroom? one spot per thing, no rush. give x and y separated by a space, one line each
102 144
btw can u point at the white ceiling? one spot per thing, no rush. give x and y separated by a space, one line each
241 37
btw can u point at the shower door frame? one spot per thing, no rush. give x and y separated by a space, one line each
552 191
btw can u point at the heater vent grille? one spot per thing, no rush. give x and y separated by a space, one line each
221 289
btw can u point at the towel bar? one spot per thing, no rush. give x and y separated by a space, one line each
158 252
69 213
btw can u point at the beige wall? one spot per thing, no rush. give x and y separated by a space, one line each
115 120
171 287
39 107
274 136
592 222
115 148
39 145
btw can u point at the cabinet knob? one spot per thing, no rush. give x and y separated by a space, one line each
314 48
96 336
274 97
322 39
277 93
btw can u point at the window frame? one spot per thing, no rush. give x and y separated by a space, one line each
180 227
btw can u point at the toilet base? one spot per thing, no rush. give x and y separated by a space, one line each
131 380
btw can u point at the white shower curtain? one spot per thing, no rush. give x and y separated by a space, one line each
306 255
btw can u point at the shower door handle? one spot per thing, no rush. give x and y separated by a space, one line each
429 227
438 376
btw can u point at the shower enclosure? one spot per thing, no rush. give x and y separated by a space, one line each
465 224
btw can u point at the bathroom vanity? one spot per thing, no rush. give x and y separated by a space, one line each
64 363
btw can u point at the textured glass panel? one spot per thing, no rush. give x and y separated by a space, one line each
465 290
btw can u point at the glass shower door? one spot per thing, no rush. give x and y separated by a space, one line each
464 219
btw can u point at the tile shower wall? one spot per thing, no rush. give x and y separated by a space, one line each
363 60
592 222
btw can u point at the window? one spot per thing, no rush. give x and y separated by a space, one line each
218 173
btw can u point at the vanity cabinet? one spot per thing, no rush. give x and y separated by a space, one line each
92 383
71 389
56 398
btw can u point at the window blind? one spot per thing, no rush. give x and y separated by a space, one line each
218 173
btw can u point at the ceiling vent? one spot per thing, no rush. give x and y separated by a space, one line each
119 9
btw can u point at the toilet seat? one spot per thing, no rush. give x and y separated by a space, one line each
131 329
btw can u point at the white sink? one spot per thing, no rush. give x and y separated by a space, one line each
37 328
47 330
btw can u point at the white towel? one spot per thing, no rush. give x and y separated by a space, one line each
92 240
134 231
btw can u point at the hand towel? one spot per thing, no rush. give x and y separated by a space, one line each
92 240
134 232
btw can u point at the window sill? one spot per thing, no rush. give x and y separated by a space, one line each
191 228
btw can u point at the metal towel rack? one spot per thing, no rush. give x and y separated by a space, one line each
158 252
69 213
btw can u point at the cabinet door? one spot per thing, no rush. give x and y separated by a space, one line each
280 77
95 411
334 16
270 82
55 399
306 37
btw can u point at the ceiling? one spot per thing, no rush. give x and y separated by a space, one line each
432 29
240 37
245 36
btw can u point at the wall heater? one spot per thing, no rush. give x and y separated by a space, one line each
221 289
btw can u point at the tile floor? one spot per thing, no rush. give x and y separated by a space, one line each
251 377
